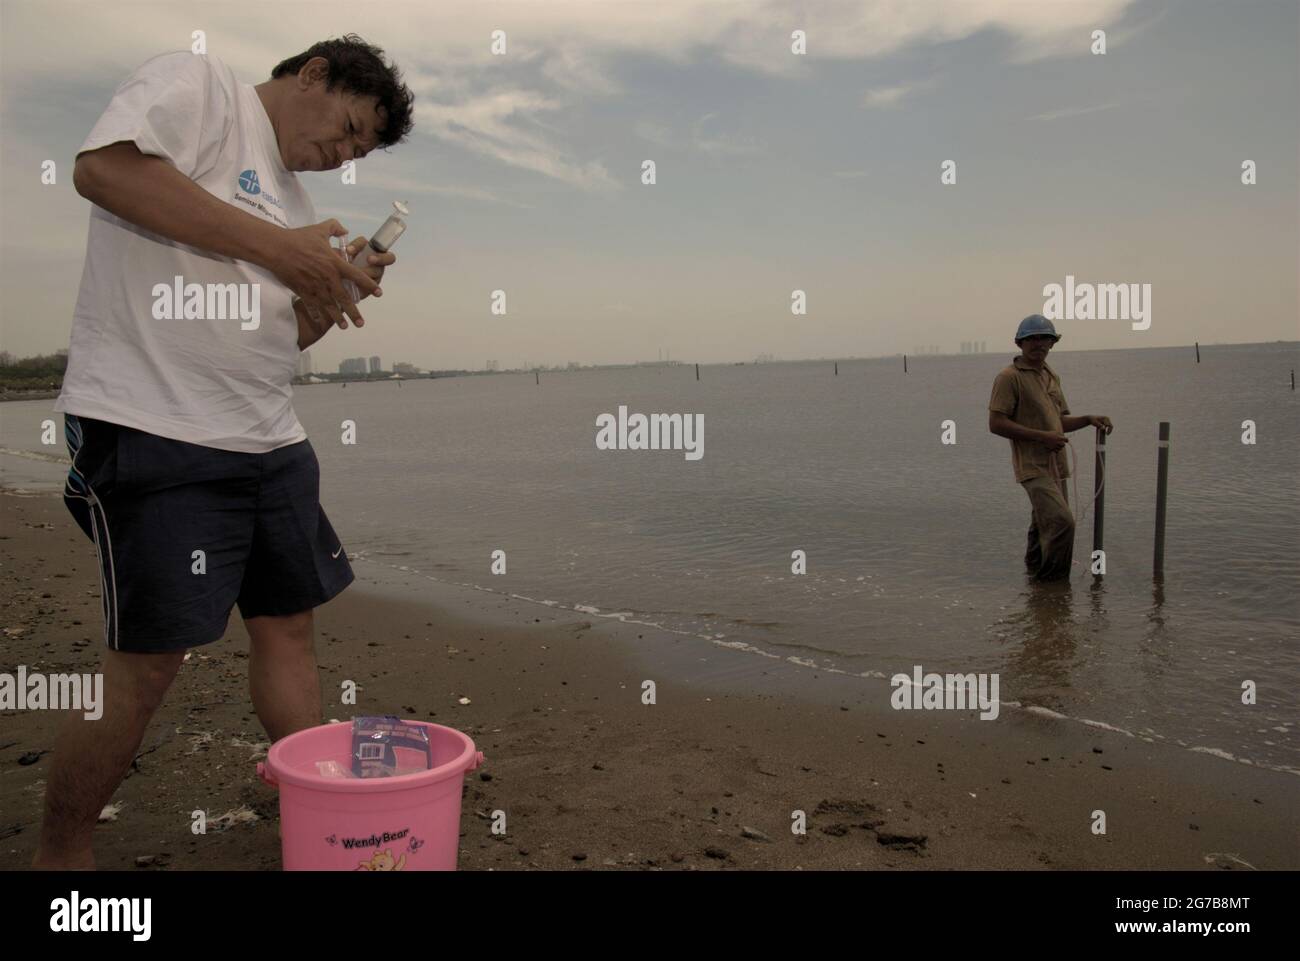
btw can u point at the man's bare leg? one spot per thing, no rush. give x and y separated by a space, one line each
282 673
91 757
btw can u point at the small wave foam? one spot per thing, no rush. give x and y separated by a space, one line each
627 617
37 455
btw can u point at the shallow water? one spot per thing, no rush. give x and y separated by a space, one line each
913 547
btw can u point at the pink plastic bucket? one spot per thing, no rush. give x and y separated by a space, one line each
407 823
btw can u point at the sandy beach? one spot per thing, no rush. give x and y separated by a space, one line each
707 778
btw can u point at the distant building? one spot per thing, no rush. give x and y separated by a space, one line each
492 365
375 366
405 369
353 365
304 363
574 365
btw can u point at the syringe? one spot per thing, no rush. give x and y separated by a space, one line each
380 243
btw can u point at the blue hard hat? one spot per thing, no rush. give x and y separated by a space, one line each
1035 325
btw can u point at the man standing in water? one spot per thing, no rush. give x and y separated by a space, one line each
190 470
1029 408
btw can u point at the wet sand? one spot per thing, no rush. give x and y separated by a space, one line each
589 777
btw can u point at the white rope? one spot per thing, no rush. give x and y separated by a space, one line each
1074 473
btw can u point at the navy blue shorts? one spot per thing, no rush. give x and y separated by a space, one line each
185 532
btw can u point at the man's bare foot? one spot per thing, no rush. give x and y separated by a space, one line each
79 861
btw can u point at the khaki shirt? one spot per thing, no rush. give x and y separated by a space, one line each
1034 399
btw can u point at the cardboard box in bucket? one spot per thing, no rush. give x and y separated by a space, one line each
331 823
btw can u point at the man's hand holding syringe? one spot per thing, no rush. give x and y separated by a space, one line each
356 268
151 193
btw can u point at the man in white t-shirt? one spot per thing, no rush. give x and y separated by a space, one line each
206 274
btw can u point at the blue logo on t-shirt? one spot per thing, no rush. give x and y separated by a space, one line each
248 182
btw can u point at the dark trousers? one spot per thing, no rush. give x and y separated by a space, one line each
1050 544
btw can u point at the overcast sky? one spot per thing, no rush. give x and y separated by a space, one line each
775 171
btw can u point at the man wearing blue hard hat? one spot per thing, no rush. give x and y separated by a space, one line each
1029 408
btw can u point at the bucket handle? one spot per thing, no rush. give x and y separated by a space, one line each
475 762
264 773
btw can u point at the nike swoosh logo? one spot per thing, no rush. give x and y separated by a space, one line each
337 552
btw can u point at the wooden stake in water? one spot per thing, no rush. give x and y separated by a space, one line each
1198 351
1293 378
1099 491
905 363
697 371
837 368
1162 488
537 378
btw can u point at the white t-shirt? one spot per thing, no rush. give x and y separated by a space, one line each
217 373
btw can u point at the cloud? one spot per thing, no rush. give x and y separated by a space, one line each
655 133
892 96
495 125
400 186
580 72
720 144
699 137
575 38
1073 112
886 96
475 193
861 29
560 53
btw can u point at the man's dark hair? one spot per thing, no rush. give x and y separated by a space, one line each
359 67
